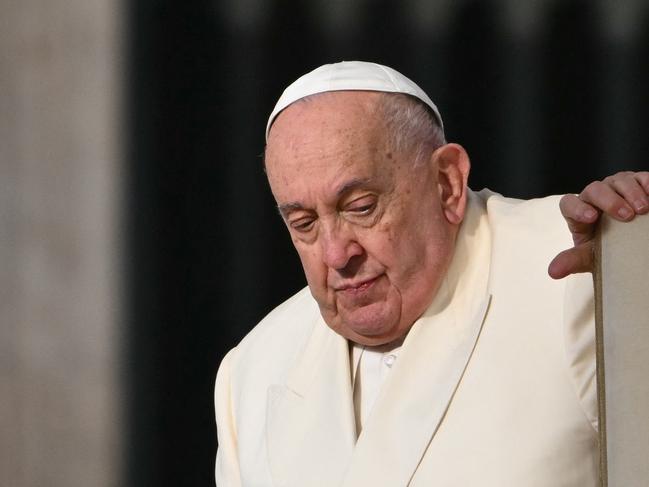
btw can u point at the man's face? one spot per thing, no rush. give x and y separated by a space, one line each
367 223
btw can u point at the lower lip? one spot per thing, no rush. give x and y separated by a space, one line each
362 288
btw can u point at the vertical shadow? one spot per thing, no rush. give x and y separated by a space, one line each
472 86
174 233
572 128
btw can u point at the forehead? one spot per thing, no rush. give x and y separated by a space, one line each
331 113
326 133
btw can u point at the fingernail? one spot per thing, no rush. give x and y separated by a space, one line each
640 206
589 214
624 213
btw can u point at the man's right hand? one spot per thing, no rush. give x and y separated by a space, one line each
621 196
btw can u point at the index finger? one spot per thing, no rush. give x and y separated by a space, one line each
629 186
601 195
579 216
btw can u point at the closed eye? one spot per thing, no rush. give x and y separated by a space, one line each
302 224
362 210
362 206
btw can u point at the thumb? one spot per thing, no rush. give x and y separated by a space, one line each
572 261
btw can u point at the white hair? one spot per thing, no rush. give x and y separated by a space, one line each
411 125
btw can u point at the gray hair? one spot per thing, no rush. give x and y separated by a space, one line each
411 125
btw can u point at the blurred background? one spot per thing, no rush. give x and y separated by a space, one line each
138 237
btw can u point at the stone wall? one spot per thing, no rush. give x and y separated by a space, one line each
60 193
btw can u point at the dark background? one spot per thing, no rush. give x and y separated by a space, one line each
544 102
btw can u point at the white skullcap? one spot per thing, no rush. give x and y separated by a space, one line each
350 75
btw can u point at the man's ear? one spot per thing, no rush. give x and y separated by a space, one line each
453 166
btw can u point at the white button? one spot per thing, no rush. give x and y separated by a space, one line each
389 360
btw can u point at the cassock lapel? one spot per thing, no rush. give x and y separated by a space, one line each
310 424
417 393
310 420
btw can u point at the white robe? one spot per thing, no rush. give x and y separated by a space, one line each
494 385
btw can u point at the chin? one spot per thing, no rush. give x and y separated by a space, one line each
370 328
375 340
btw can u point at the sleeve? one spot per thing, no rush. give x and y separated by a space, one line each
579 336
227 461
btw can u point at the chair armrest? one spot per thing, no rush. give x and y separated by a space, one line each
622 320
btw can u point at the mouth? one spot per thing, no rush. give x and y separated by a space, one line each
358 287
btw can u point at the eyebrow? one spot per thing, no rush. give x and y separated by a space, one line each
350 185
289 207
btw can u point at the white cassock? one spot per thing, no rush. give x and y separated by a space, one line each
494 386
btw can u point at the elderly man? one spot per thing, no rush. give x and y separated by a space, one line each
430 347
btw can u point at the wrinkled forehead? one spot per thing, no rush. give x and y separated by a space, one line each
329 126
349 76
330 114
319 146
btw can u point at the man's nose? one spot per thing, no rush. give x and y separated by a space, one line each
339 246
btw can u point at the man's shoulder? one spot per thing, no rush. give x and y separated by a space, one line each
284 319
499 204
275 341
537 219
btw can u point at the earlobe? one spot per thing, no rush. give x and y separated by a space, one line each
453 166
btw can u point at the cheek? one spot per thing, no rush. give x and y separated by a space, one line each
314 270
408 246
393 249
399 239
